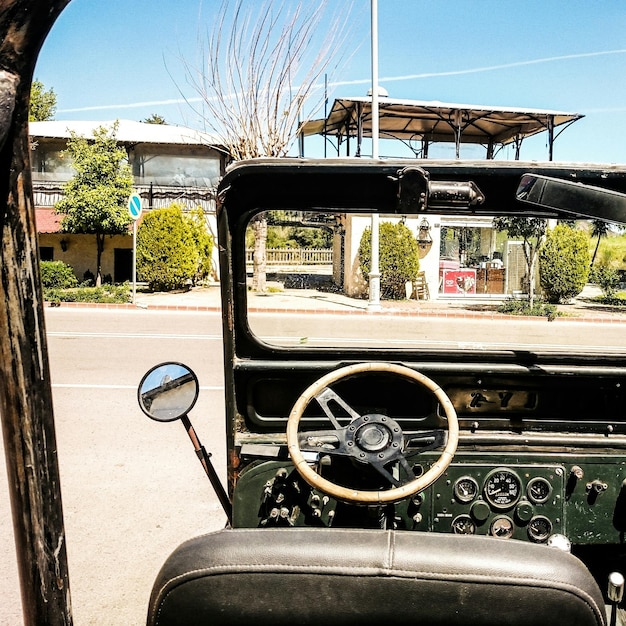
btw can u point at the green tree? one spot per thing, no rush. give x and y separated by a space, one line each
154 118
96 198
531 230
563 263
43 103
167 256
398 259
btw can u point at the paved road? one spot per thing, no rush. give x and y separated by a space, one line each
398 331
133 489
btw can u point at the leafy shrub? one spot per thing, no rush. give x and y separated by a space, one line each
56 274
110 294
522 307
398 259
166 252
605 277
617 299
563 263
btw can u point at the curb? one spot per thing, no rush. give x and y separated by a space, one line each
451 314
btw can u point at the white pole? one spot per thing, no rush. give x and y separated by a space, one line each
134 260
375 133
374 276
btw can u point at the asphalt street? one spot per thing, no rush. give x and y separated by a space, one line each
132 489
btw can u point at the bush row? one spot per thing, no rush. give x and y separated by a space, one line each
109 294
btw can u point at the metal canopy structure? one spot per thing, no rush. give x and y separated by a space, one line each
420 123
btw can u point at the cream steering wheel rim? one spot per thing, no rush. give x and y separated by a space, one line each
380 496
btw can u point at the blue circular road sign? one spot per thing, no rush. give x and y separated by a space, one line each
134 205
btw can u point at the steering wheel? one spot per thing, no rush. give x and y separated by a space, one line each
374 439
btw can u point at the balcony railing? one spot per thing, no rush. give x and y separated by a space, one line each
47 194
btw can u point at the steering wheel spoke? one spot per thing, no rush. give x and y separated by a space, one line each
424 441
372 439
324 399
324 441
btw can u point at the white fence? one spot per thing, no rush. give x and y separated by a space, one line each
295 256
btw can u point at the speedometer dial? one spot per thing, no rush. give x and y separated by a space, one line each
502 489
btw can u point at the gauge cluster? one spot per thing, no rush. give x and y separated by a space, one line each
521 502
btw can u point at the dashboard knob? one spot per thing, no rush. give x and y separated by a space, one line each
480 510
524 511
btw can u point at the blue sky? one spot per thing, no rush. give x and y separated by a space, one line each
120 59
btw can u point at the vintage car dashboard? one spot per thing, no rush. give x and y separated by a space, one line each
540 457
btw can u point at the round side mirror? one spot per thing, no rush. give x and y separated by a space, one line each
168 392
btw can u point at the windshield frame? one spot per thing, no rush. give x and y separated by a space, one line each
342 184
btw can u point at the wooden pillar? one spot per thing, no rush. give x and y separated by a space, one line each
25 392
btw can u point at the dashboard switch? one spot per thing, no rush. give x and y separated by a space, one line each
616 587
596 485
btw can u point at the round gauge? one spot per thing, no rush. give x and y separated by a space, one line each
463 525
539 529
465 489
502 489
502 527
538 490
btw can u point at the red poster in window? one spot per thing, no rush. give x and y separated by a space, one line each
459 282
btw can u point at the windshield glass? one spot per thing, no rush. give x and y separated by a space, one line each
446 282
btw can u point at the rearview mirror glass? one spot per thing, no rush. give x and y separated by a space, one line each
576 199
168 392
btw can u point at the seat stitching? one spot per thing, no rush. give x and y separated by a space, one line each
355 570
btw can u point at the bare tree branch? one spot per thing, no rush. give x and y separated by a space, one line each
261 62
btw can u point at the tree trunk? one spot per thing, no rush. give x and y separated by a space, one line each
99 251
593 258
531 278
25 392
259 265
530 253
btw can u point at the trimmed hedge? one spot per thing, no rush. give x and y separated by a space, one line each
109 294
57 275
167 257
563 263
398 259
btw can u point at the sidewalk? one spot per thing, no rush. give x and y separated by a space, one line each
306 301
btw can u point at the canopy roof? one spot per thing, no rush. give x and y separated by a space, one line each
436 121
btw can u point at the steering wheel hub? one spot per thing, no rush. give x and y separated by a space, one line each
374 434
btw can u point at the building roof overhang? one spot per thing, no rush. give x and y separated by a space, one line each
128 132
48 222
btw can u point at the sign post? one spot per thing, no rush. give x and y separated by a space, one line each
134 208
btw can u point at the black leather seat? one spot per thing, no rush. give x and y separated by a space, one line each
321 576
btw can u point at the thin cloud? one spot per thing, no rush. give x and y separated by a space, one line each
487 68
130 105
366 81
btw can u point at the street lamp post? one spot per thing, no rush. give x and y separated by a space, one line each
374 275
